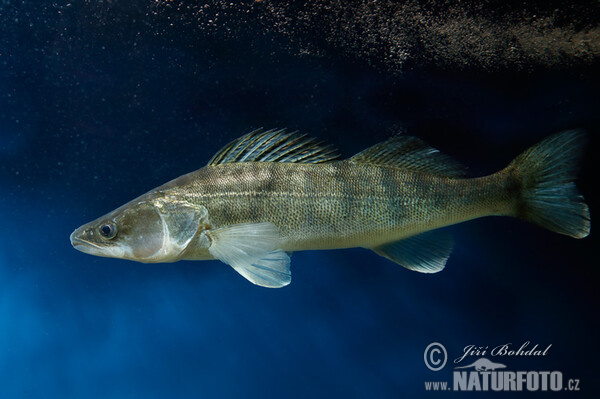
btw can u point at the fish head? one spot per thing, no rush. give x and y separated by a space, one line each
151 229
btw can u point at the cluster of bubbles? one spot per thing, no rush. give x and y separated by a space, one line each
487 35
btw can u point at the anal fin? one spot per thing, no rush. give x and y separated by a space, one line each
426 252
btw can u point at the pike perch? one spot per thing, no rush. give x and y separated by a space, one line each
270 193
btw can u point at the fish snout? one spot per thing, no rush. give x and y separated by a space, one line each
73 238
77 235
82 239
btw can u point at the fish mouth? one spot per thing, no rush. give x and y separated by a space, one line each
83 245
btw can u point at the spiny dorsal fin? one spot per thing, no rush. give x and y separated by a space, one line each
274 146
410 153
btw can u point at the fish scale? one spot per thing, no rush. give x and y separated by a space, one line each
338 204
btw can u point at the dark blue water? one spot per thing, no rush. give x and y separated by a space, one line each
100 102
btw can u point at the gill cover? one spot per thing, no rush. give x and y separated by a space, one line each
180 221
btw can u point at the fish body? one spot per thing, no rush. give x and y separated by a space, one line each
338 204
268 194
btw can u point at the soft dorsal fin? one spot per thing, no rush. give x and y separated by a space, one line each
274 146
410 153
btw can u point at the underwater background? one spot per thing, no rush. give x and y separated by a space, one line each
101 101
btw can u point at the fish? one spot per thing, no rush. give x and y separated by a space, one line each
270 193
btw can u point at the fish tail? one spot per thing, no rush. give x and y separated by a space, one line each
546 191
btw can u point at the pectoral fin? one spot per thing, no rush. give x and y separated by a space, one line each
252 250
425 252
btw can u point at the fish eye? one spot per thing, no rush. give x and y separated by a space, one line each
108 230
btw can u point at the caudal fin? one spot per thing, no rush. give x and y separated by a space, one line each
548 195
